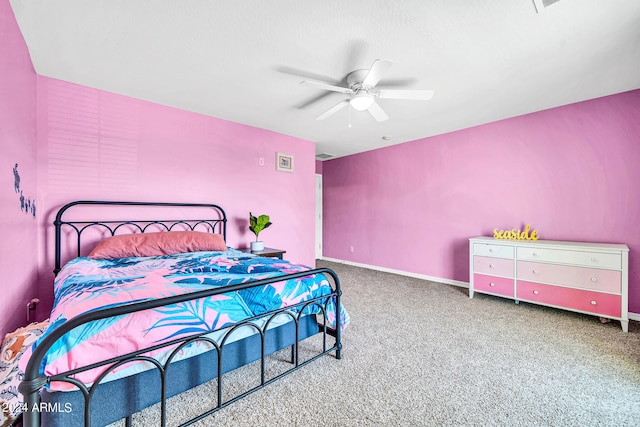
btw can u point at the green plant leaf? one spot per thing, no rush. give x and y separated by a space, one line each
259 223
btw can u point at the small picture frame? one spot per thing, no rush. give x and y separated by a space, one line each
284 162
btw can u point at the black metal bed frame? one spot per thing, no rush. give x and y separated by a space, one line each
142 226
34 381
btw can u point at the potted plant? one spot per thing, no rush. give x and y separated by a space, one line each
256 225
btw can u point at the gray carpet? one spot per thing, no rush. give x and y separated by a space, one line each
419 353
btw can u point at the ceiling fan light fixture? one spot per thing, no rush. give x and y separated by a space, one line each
361 102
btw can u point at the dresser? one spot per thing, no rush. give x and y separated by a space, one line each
590 278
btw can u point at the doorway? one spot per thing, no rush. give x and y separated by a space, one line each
318 216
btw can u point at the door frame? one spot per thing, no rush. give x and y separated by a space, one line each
319 216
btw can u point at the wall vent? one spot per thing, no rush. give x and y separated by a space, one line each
543 4
324 156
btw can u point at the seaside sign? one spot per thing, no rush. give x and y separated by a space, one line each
515 234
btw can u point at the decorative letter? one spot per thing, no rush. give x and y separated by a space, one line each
515 234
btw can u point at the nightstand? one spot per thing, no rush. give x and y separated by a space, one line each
266 252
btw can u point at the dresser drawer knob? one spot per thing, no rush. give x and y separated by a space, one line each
534 254
490 265
490 249
535 292
594 259
594 279
593 302
492 284
535 271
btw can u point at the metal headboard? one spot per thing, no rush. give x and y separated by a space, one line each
214 225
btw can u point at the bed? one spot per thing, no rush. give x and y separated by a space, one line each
159 306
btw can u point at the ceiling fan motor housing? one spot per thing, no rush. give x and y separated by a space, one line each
355 78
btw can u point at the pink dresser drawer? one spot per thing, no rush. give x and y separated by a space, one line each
575 299
493 285
493 266
575 277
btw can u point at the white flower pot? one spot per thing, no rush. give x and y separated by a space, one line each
257 246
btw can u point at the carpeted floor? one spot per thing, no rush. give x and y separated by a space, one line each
419 353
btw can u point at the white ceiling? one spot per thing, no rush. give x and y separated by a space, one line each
243 61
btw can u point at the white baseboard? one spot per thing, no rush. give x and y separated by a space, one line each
400 272
632 316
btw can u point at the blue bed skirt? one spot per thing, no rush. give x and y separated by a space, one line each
118 399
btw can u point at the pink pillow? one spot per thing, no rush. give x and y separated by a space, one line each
160 243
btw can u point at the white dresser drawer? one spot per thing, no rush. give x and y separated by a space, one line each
492 250
579 258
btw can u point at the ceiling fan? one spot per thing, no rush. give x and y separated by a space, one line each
361 88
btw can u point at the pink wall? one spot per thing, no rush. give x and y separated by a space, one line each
18 250
571 172
97 145
72 142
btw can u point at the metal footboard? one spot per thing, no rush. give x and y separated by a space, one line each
33 381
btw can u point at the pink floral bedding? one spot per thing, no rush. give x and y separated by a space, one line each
85 285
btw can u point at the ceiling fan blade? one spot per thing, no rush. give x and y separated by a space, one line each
326 86
306 75
377 70
313 100
399 82
339 106
378 113
420 95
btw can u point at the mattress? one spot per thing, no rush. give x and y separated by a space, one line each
85 285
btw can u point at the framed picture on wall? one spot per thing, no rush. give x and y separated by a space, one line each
284 162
